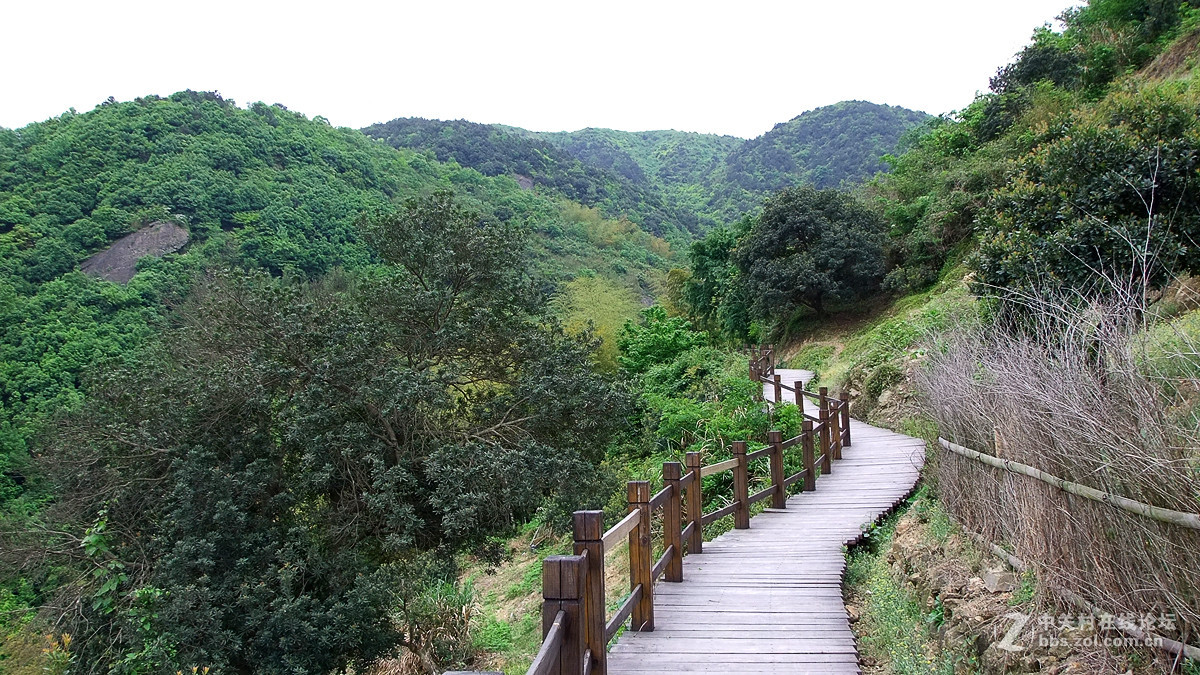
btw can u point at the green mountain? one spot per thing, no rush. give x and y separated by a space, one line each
259 187
721 177
826 147
673 183
618 190
682 166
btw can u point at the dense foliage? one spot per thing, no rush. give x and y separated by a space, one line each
1052 165
681 165
495 151
719 177
810 247
259 187
656 339
1106 199
825 147
259 484
806 250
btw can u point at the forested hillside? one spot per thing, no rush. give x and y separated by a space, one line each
671 181
338 430
260 188
274 407
721 177
681 165
825 147
619 191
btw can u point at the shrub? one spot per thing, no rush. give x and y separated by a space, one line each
656 339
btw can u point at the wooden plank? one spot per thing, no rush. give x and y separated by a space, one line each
614 624
661 565
619 531
546 661
719 513
660 498
760 495
718 467
791 480
757 454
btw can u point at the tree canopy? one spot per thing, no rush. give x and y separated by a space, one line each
810 247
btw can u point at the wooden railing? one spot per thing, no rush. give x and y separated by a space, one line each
762 362
576 627
833 408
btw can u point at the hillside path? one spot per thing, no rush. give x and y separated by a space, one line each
769 599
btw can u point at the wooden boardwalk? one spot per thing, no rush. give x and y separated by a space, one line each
769 599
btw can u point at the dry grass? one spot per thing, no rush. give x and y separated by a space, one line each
1078 391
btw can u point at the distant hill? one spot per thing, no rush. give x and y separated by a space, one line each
617 188
827 146
720 177
682 166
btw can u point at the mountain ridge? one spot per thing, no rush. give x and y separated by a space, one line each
702 180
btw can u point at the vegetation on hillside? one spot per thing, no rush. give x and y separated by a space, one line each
720 178
495 151
682 166
275 450
260 188
833 145
258 487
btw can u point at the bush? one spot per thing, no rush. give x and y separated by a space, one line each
656 339
1107 196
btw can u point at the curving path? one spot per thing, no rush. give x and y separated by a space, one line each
769 599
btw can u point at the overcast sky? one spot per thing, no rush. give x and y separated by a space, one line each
731 67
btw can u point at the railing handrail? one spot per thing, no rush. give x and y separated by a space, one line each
576 627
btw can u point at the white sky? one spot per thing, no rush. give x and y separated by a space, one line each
731 67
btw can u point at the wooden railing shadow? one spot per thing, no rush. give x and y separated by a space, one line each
575 626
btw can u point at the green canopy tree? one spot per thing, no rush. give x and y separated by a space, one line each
810 247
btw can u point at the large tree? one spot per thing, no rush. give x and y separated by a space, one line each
253 490
810 247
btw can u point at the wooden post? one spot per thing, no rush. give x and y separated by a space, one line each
844 397
695 505
741 487
672 523
775 438
562 590
809 458
778 389
835 419
826 451
641 565
799 385
589 530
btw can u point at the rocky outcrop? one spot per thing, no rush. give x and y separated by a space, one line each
118 262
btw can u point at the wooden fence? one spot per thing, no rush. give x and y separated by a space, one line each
762 362
575 625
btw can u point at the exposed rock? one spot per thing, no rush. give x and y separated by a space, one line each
854 613
119 262
999 581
